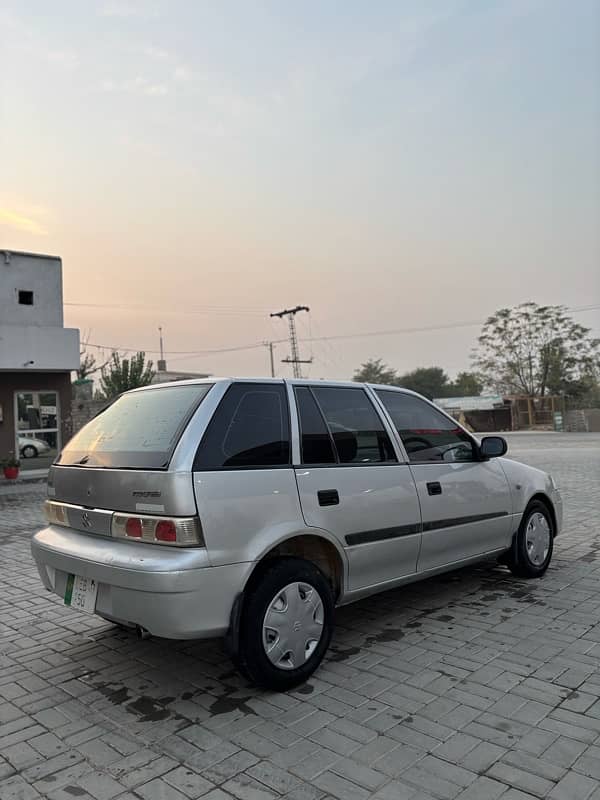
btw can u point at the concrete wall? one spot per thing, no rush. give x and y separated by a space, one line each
84 407
583 420
41 275
50 348
11 382
32 337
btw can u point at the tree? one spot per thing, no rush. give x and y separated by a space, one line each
87 366
120 375
429 381
467 384
376 371
535 350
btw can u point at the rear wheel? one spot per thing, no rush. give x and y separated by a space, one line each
29 451
286 624
532 550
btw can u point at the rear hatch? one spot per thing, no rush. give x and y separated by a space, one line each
119 462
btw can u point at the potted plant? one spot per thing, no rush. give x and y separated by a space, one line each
11 467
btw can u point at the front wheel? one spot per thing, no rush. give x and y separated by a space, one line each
532 550
29 451
286 624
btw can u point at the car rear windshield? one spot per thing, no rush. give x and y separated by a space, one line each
138 431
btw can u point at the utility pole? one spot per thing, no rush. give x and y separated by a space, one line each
162 364
294 359
271 346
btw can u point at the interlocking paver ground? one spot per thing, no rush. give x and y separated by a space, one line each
471 685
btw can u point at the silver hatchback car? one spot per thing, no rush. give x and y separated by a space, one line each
251 508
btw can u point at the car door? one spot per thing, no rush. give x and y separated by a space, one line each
244 482
465 501
352 484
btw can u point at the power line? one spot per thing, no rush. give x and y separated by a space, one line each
330 338
177 352
423 329
217 310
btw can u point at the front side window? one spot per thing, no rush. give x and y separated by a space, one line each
249 429
427 434
356 429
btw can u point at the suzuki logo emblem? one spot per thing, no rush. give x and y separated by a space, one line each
85 520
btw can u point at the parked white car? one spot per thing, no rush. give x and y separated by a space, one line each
251 508
29 447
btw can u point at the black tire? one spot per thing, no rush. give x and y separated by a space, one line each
251 657
519 560
29 451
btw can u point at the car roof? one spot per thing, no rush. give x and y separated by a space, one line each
279 381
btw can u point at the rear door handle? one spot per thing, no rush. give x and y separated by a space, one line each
434 487
328 497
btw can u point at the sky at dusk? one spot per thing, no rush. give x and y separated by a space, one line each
392 165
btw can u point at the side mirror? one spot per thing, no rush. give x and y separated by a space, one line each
493 446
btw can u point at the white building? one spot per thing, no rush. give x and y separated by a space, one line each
37 354
164 375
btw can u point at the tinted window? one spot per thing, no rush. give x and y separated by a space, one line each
249 429
315 441
427 434
140 429
357 431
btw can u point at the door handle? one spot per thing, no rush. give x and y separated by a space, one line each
434 487
328 497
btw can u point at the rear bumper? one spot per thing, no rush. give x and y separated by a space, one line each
171 593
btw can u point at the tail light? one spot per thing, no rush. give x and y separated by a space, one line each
56 514
178 531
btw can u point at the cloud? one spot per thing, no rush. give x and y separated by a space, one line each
155 90
182 73
157 53
139 86
127 9
64 58
19 222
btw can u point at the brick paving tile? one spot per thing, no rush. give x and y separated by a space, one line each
472 685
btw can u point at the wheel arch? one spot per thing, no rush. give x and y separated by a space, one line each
313 546
546 501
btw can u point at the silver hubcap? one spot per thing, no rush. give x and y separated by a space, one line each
537 538
293 625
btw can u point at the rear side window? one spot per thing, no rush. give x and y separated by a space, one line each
139 430
427 434
249 429
355 426
315 442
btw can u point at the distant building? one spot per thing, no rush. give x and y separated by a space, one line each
37 354
479 413
164 375
474 403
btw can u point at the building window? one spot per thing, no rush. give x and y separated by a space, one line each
25 298
37 428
